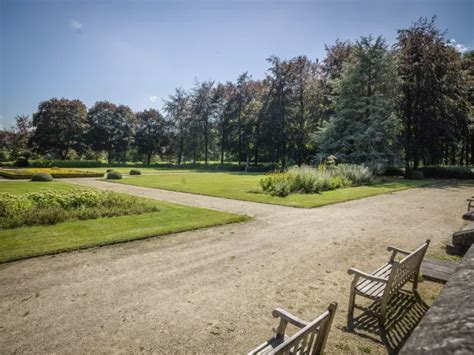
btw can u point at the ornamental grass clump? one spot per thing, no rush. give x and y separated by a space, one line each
51 207
308 180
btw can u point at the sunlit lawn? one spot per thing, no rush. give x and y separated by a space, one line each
23 242
242 186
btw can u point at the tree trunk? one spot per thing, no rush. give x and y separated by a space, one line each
222 143
206 124
148 158
181 146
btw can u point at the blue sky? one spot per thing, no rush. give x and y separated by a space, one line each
136 52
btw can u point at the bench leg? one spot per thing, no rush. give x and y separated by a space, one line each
350 313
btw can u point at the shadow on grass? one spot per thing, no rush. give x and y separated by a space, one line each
404 312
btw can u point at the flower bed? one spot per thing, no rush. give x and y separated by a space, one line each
54 172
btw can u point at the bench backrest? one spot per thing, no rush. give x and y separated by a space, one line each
405 269
311 339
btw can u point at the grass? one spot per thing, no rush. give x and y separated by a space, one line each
22 187
235 185
24 242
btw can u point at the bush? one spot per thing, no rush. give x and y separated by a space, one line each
114 175
41 177
448 172
414 174
309 180
22 162
51 207
394 171
135 172
109 170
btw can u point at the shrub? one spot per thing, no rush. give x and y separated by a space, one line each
356 174
135 172
109 170
22 162
114 175
448 172
51 207
41 177
309 180
414 174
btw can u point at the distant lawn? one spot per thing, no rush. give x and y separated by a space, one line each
236 185
24 242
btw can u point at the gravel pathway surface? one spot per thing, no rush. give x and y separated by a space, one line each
213 290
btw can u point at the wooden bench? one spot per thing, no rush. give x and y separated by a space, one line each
386 281
310 339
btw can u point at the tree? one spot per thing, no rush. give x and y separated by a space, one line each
432 101
111 128
364 126
60 126
151 134
178 110
202 112
21 136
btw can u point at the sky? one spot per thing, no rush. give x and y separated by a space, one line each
137 52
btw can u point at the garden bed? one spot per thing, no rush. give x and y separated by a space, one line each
58 173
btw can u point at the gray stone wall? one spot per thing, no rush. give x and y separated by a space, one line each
448 326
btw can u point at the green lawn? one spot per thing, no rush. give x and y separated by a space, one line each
235 185
24 242
21 187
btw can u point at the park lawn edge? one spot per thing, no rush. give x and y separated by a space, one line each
429 182
226 218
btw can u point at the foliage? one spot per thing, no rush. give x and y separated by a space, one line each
41 177
432 101
151 135
114 175
135 172
414 174
111 128
364 127
54 172
51 207
448 172
60 125
310 180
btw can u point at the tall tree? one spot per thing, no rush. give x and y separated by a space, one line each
21 136
60 126
151 135
431 103
364 126
111 129
202 111
178 110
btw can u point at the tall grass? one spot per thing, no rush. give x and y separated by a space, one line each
308 180
51 207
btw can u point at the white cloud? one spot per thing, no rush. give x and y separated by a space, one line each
76 26
153 98
461 48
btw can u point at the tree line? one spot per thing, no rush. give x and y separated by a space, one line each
365 102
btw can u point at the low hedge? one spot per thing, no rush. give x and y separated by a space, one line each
135 172
56 173
448 172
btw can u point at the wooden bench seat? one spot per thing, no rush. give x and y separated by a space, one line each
309 340
382 284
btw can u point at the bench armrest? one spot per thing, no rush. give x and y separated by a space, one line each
365 275
398 250
288 317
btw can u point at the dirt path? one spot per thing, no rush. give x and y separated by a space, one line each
213 290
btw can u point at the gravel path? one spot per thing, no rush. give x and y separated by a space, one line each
213 290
